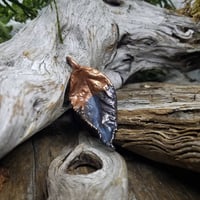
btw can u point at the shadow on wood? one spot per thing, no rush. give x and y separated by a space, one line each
28 165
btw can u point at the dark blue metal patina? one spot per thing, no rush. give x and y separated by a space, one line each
93 97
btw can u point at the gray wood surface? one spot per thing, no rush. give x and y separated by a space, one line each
118 40
104 176
161 121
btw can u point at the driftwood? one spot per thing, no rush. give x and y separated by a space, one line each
161 121
89 171
27 168
118 40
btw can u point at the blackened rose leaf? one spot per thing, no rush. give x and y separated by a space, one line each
93 97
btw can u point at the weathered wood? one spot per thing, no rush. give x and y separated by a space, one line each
152 181
27 168
28 164
34 78
118 40
104 175
4 174
161 121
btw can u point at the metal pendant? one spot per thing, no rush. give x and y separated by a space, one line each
93 97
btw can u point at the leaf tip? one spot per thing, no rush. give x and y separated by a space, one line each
73 64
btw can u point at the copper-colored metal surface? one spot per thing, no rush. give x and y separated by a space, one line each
93 97
73 64
84 83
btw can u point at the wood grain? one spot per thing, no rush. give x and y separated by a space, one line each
147 179
117 40
161 121
28 164
108 179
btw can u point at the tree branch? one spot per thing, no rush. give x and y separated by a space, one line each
118 40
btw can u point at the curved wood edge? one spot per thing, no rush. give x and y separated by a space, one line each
108 180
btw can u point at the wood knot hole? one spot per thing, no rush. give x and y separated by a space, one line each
84 163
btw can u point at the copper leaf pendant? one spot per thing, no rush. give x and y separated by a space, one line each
93 97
